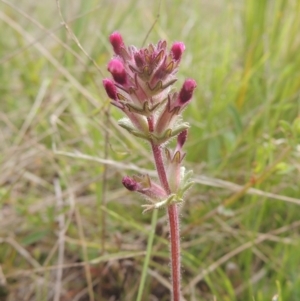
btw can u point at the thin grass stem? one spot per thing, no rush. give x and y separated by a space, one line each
148 255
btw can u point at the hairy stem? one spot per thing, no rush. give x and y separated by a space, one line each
159 164
173 223
175 250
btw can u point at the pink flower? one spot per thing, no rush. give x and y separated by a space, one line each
140 87
175 105
142 80
117 70
177 50
144 75
186 92
110 88
145 186
116 41
173 161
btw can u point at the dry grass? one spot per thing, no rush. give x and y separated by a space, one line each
69 231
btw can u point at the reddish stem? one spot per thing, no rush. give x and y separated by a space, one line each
159 163
175 250
173 219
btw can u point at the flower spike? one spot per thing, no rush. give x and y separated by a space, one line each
140 87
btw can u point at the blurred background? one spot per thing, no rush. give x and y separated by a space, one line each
69 230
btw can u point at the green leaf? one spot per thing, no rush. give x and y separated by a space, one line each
34 237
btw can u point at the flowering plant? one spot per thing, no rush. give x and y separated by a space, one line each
141 88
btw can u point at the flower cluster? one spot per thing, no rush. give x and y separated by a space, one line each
141 88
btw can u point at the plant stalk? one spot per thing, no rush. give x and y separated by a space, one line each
175 250
173 224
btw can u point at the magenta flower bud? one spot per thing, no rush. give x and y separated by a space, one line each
130 183
181 139
177 50
186 91
178 155
116 41
110 88
145 186
175 105
117 70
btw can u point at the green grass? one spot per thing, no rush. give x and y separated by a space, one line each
57 129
